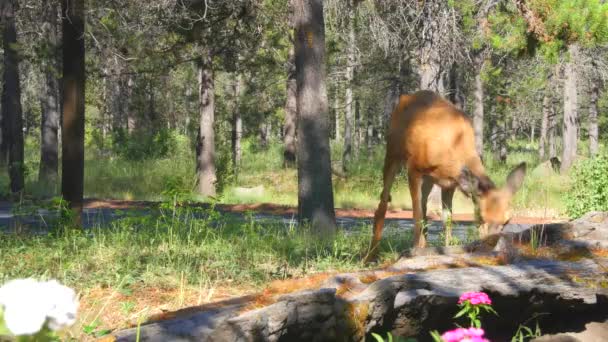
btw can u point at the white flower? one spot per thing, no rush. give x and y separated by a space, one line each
28 304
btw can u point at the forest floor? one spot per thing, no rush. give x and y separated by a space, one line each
521 217
120 283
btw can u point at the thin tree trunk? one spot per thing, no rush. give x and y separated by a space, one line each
532 131
49 127
72 166
131 115
544 124
455 92
315 191
502 153
205 146
552 130
369 132
593 110
237 124
337 115
263 131
11 98
478 111
570 110
358 129
291 120
349 119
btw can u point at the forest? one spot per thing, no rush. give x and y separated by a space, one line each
165 154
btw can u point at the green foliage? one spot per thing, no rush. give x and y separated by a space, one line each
562 22
142 145
589 189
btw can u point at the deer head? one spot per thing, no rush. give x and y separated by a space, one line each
494 204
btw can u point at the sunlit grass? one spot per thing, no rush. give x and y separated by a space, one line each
182 257
262 179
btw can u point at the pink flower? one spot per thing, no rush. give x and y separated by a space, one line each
475 298
464 335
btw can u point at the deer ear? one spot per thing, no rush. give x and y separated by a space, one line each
472 184
468 182
515 179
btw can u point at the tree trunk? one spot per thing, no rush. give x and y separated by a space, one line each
369 132
315 191
455 92
552 130
337 115
11 99
205 145
263 131
593 110
570 110
431 73
237 124
532 132
72 145
348 98
291 114
131 115
49 127
544 124
502 153
478 111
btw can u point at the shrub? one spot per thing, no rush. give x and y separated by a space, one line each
589 188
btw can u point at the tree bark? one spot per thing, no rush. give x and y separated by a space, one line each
131 115
11 98
337 115
72 135
369 132
237 124
552 130
349 119
291 119
593 124
544 124
205 145
49 127
570 110
315 191
478 111
431 73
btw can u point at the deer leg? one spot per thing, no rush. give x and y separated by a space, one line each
427 187
391 167
446 213
415 183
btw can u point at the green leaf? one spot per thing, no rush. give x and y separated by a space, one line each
461 312
378 337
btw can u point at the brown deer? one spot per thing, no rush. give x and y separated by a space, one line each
435 142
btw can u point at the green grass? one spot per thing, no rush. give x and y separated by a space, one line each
176 253
114 177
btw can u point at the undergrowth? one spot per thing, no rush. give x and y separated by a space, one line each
262 179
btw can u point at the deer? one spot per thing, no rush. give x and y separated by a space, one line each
435 142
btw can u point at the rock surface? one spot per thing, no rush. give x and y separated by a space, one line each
406 304
350 306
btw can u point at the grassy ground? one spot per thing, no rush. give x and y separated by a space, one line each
140 266
158 179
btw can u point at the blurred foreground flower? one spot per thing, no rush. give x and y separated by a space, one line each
475 298
464 335
28 304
